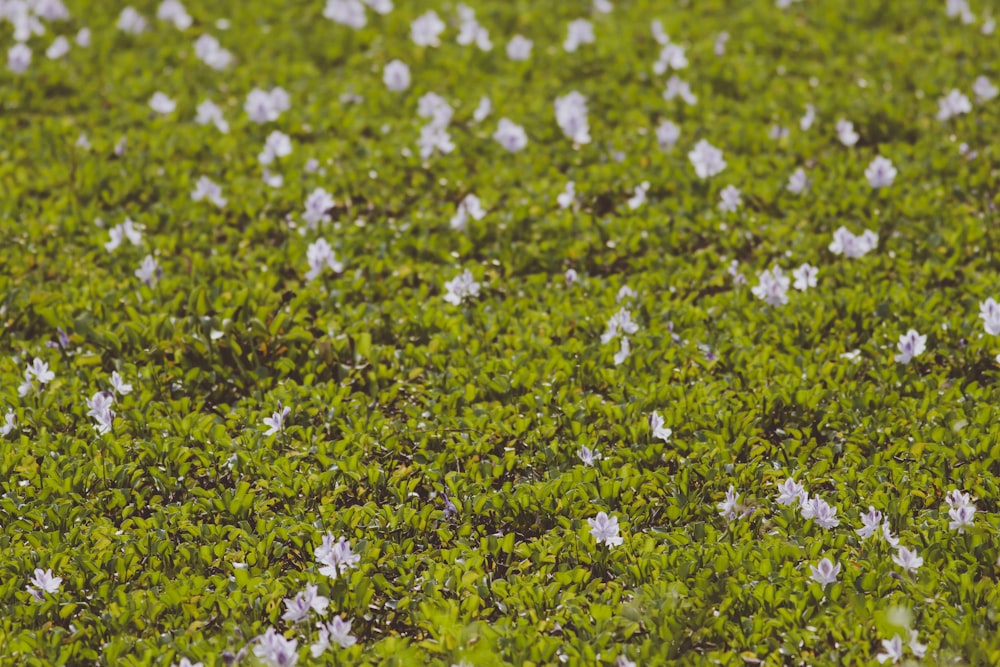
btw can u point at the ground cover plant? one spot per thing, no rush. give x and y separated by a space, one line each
590 332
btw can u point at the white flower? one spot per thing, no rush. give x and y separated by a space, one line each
892 650
984 90
206 188
956 498
667 134
825 572
659 34
470 32
264 107
846 133
122 231
907 559
888 536
162 104
278 145
625 292
519 48
571 116
729 199
605 529
772 287
720 43
119 385
43 582
619 324
734 272
174 12
847 244
483 110
396 76
346 12
623 351
208 112
208 50
130 21
461 287
953 104
808 118
798 181
304 602
320 257
317 204
336 631
274 650
919 650
989 25
707 159
566 198
639 197
671 57
730 508
149 271
336 557
83 37
10 423
657 427
961 517
276 422
436 108
603 6
58 48
911 344
434 137
380 6
469 207
580 31
510 135
805 277
588 455
18 58
426 29
677 87
880 173
819 511
871 522
790 492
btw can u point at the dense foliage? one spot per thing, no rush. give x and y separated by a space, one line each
321 397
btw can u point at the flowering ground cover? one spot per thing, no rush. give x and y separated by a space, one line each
591 332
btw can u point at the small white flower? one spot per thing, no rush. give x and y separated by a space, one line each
208 112
907 559
639 196
619 324
346 12
336 631
953 104
825 572
83 37
798 182
846 133
208 189
426 29
730 507
667 134
847 244
510 135
819 511
984 90
40 371
149 271
657 427
790 492
43 582
919 650
132 22
18 58
672 56
880 173
278 145
911 344
659 34
676 87
276 422
162 104
208 50
805 277
317 204
580 31
336 557
321 257
307 600
808 118
469 207
588 456
396 76
729 199
483 110
772 287
119 385
707 159
892 650
519 48
274 650
10 423
566 198
461 287
571 116
173 11
58 48
605 529
871 522
623 351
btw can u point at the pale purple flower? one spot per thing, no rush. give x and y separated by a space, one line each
122 231
729 199
265 107
605 529
396 76
162 104
657 427
953 104
208 112
984 90
730 507
719 48
519 48
18 58
317 204
566 198
320 257
336 631
625 292
911 344
778 132
470 32
305 601
624 350
798 182
603 6
571 277
919 650
346 12
808 118
707 159
434 137
40 371
734 272
10 423
483 110
619 324
510 135
336 557
274 650
892 650
208 189
131 21
677 87
907 559
58 48
83 37
659 34
989 313
149 271
588 456
956 498
961 517
817 509
825 572
276 422
672 56
208 50
461 287
871 522
435 107
43 582
639 196
579 31
426 29
805 277
790 492
880 173
119 385
173 11
847 244
846 133
888 536
469 207
277 145
667 134
772 287
571 116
